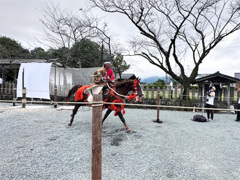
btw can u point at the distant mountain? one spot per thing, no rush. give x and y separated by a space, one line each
153 79
150 80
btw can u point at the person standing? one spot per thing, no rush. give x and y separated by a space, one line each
210 102
238 107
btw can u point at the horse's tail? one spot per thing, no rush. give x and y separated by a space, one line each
72 92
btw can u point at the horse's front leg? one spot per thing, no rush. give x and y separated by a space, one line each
120 115
76 107
106 115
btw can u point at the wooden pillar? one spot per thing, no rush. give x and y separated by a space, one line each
97 137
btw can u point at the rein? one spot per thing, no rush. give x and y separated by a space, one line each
116 92
131 96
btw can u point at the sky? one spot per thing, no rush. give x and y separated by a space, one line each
20 20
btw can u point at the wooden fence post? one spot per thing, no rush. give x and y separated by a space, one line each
158 109
24 92
55 96
158 92
97 137
14 91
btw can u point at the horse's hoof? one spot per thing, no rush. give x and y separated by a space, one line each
129 131
69 124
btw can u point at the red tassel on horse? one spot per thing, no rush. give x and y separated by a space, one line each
79 93
132 96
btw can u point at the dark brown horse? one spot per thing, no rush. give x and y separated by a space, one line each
117 94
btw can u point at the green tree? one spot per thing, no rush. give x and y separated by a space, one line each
38 53
119 65
86 53
61 54
11 50
159 82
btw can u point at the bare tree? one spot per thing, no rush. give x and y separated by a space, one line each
177 33
63 28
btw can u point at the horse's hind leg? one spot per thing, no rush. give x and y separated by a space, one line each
76 107
123 120
106 115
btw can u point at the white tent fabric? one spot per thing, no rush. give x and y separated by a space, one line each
36 80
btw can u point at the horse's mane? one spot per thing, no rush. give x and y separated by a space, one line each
121 83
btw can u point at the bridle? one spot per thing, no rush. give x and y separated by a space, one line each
133 94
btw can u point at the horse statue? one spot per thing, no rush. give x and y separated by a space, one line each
116 95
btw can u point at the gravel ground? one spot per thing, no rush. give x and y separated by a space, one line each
36 143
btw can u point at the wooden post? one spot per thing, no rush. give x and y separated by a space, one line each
55 96
24 91
203 97
158 108
14 95
24 101
55 85
97 137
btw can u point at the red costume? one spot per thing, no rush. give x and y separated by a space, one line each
109 75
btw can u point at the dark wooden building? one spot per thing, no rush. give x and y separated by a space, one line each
14 65
219 81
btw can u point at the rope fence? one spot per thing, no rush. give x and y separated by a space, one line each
109 103
155 92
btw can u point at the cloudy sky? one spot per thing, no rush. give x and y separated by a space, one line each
20 20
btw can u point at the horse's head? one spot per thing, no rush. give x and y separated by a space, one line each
138 89
125 86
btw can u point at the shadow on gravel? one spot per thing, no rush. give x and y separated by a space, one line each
117 136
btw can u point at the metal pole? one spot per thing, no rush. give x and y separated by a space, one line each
97 137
